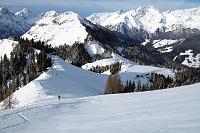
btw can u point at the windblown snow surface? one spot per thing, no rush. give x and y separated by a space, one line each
174 110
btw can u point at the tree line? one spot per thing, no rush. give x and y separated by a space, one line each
114 85
75 54
24 65
114 68
156 82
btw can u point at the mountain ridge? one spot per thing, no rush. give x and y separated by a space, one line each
16 24
58 28
148 20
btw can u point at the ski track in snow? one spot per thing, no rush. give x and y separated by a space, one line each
24 120
17 113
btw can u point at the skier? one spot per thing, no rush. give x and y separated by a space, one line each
59 97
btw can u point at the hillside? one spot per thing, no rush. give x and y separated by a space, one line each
130 70
58 29
68 81
171 32
63 79
175 111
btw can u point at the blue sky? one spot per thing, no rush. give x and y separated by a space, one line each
87 7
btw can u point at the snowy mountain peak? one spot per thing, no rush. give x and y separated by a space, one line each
28 16
73 16
5 11
66 15
196 9
145 18
51 14
11 24
146 8
120 11
24 13
148 20
186 18
54 17
59 28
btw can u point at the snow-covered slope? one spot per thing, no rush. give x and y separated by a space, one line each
146 20
174 110
184 51
94 48
68 81
187 18
162 43
58 29
190 59
104 62
140 73
63 79
165 45
130 70
6 47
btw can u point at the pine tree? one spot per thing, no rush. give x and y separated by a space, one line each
138 87
1 74
23 79
113 85
5 68
9 101
32 72
126 87
132 88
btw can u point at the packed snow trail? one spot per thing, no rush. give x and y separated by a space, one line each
12 117
173 110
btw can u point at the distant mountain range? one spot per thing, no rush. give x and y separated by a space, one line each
167 32
148 22
15 24
138 24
